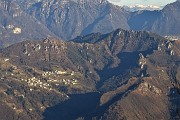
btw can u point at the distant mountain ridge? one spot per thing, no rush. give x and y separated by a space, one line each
164 22
70 19
67 19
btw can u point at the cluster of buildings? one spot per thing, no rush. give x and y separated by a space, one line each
64 81
57 72
61 81
34 82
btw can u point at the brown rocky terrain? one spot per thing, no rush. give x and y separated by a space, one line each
119 75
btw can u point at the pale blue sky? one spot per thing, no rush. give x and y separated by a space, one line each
142 2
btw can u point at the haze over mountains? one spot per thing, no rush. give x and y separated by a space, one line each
68 19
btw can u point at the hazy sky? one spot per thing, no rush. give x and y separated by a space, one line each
142 2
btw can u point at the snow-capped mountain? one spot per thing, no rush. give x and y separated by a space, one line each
142 7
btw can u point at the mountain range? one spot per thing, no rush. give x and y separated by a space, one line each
88 60
37 19
117 75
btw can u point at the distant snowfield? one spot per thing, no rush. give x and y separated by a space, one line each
135 5
142 7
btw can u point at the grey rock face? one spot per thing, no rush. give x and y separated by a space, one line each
68 19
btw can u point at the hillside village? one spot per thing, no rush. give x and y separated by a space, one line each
44 80
52 77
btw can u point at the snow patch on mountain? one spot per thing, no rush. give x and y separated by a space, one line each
142 7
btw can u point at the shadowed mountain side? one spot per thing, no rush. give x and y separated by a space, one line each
86 106
128 65
174 107
79 105
103 108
